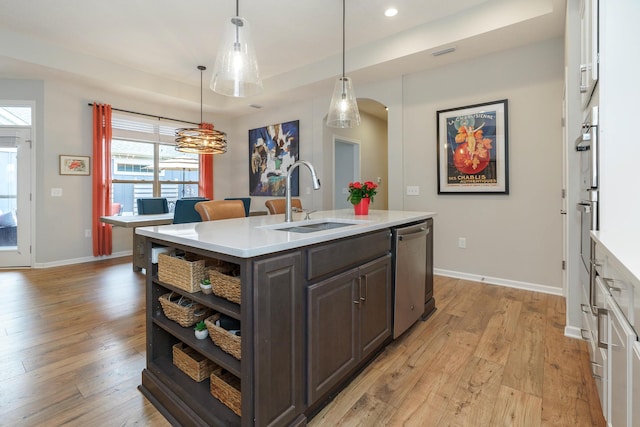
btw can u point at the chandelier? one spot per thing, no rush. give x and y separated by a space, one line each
203 139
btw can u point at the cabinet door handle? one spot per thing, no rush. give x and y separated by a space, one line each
583 332
583 73
363 279
612 281
601 312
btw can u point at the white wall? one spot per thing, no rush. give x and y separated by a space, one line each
64 126
513 239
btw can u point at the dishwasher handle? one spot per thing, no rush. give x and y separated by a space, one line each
422 231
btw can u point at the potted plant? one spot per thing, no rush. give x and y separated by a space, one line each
360 195
201 330
205 285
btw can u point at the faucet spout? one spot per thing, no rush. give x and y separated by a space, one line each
314 178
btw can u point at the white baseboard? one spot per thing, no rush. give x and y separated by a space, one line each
572 332
501 282
81 260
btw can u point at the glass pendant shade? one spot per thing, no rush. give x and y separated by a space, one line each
343 110
236 70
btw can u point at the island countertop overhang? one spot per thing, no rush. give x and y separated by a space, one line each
257 235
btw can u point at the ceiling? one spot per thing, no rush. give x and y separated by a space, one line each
150 48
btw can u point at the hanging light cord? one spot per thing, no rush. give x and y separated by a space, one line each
343 36
201 68
238 24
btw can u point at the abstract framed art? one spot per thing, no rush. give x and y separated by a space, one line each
272 150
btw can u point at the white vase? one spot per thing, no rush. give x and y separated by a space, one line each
202 334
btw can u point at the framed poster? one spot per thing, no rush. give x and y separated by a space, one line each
472 149
272 149
74 165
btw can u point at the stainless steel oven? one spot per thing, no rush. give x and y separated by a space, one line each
587 146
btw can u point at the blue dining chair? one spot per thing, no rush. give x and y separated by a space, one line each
245 200
153 205
185 210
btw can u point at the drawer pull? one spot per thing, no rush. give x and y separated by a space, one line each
614 281
597 262
601 312
583 332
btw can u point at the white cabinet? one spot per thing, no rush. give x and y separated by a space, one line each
588 49
635 391
621 340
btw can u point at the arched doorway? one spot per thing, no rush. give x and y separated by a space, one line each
366 151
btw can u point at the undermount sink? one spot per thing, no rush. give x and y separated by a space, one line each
310 228
313 225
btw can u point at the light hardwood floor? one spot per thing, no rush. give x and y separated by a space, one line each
72 348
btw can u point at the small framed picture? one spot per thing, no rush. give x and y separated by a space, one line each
472 149
75 165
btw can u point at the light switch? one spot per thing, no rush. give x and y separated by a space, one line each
413 190
56 192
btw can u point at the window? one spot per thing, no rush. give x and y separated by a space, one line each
144 163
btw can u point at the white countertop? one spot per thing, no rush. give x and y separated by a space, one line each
258 235
623 247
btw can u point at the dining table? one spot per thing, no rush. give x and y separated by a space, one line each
133 221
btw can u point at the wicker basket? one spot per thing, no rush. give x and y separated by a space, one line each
181 273
184 316
225 286
225 387
222 338
192 363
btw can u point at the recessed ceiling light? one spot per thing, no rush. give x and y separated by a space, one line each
391 12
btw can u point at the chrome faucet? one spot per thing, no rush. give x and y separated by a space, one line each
314 177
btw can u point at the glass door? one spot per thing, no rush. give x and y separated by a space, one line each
15 197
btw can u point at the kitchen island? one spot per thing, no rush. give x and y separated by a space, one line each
315 306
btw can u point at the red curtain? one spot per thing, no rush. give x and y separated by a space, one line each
101 184
205 188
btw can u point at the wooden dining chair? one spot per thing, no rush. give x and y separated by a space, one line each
220 209
277 206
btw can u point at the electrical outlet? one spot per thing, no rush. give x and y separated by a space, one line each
462 242
87 232
413 190
56 192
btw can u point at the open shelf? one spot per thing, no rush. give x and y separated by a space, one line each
205 347
196 393
221 305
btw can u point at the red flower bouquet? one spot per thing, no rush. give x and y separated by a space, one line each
361 190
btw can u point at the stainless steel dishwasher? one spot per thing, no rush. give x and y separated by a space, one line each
410 275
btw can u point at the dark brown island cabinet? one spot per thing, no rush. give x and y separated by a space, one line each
311 318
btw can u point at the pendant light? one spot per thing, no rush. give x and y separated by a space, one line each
343 110
203 139
236 70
